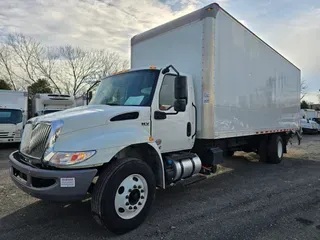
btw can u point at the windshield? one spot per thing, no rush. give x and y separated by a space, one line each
50 111
127 89
12 116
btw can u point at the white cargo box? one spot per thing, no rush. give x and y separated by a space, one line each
242 85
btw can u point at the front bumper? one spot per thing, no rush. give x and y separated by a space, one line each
55 185
10 140
310 130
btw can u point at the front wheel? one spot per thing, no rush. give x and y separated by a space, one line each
123 195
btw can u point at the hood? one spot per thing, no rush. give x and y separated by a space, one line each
89 116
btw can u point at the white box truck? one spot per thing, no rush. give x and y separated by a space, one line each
80 101
214 87
13 115
45 103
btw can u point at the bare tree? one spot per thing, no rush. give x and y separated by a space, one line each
46 60
113 63
6 71
23 60
25 49
303 89
84 66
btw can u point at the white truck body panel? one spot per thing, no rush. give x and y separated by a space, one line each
14 100
51 102
17 100
310 113
242 85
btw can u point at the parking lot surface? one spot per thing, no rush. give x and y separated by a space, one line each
249 200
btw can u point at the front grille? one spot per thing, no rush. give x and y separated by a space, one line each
4 134
34 139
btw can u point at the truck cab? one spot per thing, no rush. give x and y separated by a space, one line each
13 115
151 92
11 125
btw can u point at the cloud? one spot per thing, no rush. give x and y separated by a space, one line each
292 29
86 23
312 97
298 39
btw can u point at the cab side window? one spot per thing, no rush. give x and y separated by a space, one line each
166 96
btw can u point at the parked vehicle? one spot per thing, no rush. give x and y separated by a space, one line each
13 115
216 88
80 101
310 113
313 119
44 103
317 121
309 126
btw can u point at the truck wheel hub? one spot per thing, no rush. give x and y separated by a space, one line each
134 197
131 196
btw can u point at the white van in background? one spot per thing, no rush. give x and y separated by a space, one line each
312 118
308 126
13 115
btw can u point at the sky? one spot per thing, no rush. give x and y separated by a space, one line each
292 27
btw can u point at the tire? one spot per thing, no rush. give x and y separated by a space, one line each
123 195
275 149
228 153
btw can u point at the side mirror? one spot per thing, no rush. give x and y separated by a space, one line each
180 105
180 87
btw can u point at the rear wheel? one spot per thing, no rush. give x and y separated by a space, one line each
275 149
123 195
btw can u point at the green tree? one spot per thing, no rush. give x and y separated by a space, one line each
304 105
40 86
4 85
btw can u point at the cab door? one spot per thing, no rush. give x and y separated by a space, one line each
172 131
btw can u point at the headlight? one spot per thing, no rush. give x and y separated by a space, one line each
56 127
69 158
17 133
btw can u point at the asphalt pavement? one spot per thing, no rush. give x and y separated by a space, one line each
251 201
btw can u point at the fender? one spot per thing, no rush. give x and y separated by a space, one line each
107 142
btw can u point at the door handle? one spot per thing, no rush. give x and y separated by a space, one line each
160 115
188 129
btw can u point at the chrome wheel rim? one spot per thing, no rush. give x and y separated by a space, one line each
280 149
131 196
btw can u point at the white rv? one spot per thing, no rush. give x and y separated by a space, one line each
13 115
200 86
44 103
